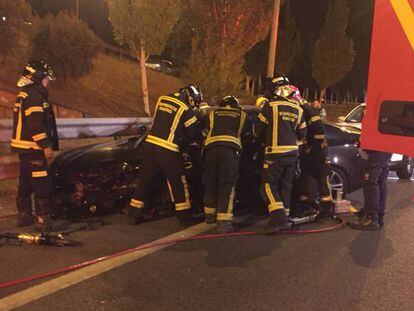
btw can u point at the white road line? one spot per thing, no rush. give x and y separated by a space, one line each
49 287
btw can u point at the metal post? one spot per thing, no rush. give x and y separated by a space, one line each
273 40
77 11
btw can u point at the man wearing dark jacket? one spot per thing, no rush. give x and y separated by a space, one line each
315 165
225 126
375 191
34 139
283 124
174 125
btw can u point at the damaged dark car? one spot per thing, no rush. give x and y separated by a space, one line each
101 178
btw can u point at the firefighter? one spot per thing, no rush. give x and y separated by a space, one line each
314 165
222 147
281 121
34 139
173 126
375 191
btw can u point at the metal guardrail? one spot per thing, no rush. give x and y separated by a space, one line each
86 127
72 128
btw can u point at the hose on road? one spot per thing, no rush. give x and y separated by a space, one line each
339 225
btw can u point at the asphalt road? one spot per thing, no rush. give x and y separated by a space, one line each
340 270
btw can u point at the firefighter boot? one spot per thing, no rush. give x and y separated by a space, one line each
225 226
210 218
325 211
278 221
135 215
185 217
381 220
44 221
366 224
24 207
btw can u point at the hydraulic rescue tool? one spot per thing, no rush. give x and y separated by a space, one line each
58 240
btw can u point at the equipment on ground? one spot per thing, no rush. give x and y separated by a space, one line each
58 240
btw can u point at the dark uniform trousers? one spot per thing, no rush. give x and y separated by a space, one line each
220 175
34 178
170 163
315 168
278 173
375 184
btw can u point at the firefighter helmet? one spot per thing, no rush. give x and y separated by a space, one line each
231 101
271 84
290 92
261 101
37 70
192 94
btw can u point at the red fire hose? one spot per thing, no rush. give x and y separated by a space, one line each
156 244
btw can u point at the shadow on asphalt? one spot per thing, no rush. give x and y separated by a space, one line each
365 248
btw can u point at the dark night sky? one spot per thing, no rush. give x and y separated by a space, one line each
310 15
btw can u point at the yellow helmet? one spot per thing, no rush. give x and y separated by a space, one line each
261 101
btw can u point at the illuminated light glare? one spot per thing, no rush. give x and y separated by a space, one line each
335 159
3 18
396 157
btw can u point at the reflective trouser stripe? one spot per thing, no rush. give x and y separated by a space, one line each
224 216
231 202
39 174
171 192
136 203
184 205
327 198
209 210
275 206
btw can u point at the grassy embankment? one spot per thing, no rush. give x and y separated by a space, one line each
111 89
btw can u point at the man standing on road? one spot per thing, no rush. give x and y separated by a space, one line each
283 125
314 164
173 126
222 147
375 191
34 139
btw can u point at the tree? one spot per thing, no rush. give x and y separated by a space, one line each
144 27
288 40
224 31
333 55
17 24
67 44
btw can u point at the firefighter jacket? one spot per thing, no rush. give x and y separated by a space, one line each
315 137
282 122
226 126
172 116
34 123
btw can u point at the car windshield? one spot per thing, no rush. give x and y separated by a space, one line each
356 115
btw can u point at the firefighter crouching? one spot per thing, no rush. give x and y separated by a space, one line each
314 165
174 121
282 123
34 139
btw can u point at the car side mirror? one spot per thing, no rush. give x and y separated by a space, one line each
341 119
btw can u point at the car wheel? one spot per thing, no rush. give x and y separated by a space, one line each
338 181
406 169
